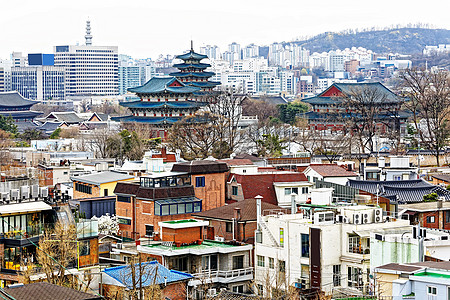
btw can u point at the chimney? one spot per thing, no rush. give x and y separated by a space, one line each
293 204
258 209
237 217
440 202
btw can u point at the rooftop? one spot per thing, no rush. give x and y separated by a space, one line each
201 167
425 206
45 291
163 84
331 170
206 246
102 177
14 99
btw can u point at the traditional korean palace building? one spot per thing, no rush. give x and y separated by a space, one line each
19 108
330 108
166 100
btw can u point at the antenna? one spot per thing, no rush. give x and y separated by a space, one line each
192 45
88 35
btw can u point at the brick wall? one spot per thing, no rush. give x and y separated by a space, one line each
424 216
80 195
92 258
213 193
182 235
246 231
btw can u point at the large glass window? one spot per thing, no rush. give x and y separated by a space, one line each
177 206
85 248
124 199
289 191
305 245
337 275
238 262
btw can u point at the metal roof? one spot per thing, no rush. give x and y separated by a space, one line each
102 177
24 207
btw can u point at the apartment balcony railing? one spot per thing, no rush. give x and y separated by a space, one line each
31 231
219 274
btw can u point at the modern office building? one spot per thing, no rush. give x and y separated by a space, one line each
5 75
40 80
90 70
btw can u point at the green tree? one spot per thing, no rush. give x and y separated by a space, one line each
430 197
7 124
55 134
31 134
271 145
288 112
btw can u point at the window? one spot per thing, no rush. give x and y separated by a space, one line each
271 263
209 262
430 219
304 190
83 188
336 275
397 177
260 289
238 289
105 192
229 227
305 245
200 181
84 247
238 262
354 277
124 199
281 266
289 191
178 206
124 221
149 230
234 190
260 260
447 216
281 237
432 290
326 217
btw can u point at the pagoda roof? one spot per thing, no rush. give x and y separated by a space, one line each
321 100
14 99
170 104
198 66
148 120
25 114
312 115
192 74
191 55
163 84
203 84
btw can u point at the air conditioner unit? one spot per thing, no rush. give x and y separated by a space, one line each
14 194
357 218
4 196
34 191
212 292
25 192
219 239
346 220
340 219
365 218
378 215
43 192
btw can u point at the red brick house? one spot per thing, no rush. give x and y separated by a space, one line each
240 215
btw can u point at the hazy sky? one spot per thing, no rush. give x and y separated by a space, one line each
149 28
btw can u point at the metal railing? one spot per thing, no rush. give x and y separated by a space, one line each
223 274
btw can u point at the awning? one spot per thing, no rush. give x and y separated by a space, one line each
363 233
25 207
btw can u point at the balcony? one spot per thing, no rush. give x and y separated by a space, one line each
87 229
218 276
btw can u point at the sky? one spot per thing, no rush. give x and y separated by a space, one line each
146 29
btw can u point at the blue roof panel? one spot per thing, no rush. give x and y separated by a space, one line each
162 84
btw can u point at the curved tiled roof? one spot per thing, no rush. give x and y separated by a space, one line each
149 120
191 55
171 104
197 66
162 84
192 74
14 99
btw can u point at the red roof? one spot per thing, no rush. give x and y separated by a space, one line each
262 184
331 170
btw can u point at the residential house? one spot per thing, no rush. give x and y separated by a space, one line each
151 276
235 221
213 264
398 168
429 214
441 179
423 280
95 206
276 188
50 174
329 172
140 206
97 184
323 248
208 178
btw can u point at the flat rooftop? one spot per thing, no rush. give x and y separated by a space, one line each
207 246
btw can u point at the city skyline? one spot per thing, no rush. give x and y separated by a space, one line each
146 29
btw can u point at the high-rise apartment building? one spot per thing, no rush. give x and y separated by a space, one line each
5 75
133 73
90 70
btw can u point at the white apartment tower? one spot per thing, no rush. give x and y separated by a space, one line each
90 70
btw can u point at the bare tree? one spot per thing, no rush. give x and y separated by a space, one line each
429 101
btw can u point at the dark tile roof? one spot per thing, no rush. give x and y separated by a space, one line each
248 156
14 99
226 295
201 167
275 100
331 170
262 184
405 191
443 177
46 291
248 211
70 117
154 193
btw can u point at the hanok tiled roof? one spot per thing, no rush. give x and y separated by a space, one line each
443 177
226 295
405 191
155 273
169 104
70 117
195 66
331 170
161 85
46 291
248 211
271 99
262 184
201 167
14 99
102 177
147 120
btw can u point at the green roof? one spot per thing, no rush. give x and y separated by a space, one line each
192 55
434 275
181 221
162 84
